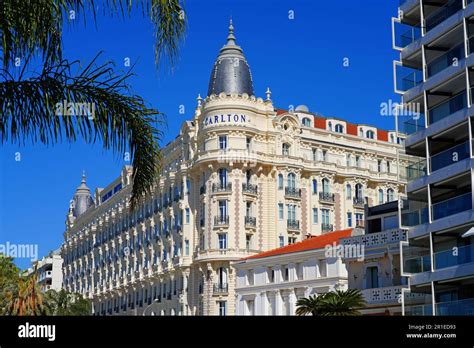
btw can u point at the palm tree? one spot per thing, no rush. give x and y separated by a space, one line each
28 299
31 31
337 303
9 275
65 303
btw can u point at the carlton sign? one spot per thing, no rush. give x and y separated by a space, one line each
226 119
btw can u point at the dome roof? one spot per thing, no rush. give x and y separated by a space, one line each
231 72
82 198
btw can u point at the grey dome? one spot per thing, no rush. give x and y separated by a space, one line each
231 72
82 198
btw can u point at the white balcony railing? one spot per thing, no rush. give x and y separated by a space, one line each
372 240
390 295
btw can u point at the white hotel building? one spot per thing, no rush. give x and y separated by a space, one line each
240 178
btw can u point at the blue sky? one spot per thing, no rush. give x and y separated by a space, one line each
300 59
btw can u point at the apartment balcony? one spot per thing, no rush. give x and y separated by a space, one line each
358 202
449 258
221 288
249 189
417 264
414 212
445 60
445 158
219 188
326 197
250 221
220 221
451 206
327 228
419 310
441 14
292 192
447 107
293 225
379 239
461 307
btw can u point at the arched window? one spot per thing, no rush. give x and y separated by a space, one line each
390 195
348 191
370 134
315 186
306 122
339 128
285 149
325 185
223 177
380 196
280 181
291 180
358 191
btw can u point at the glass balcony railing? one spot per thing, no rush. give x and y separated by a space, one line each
419 310
414 212
450 156
417 264
409 36
447 59
454 256
443 13
448 107
414 170
461 307
414 124
411 80
452 206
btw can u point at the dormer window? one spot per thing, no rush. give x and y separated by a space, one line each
306 122
339 128
330 125
370 134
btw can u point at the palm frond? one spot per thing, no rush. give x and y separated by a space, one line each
30 27
118 119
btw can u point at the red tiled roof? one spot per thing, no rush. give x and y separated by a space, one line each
382 135
318 242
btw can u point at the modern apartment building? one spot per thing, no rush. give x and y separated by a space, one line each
270 283
49 272
241 177
435 77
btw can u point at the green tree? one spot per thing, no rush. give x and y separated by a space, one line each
31 37
9 275
334 303
65 303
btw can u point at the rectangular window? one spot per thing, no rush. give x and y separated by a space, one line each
291 240
186 244
372 277
349 219
222 308
271 276
281 241
379 166
280 211
222 240
188 214
315 215
248 241
223 142
325 216
359 219
248 143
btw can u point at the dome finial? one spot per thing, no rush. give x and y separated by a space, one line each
231 37
83 181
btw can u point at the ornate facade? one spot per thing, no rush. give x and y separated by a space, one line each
241 177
